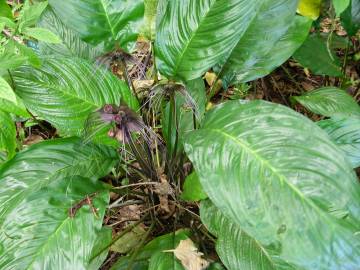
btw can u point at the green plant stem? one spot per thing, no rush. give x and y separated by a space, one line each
344 64
156 80
173 106
170 124
156 144
333 25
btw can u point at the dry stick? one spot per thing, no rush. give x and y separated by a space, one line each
292 79
206 233
38 122
116 204
275 86
141 244
137 184
121 221
125 231
184 208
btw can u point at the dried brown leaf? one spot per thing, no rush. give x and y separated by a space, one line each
189 256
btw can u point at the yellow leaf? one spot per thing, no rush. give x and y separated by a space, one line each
189 256
310 8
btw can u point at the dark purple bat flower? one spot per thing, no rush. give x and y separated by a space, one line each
162 92
125 123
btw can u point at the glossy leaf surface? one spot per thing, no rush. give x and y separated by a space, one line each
272 28
238 250
30 13
71 46
345 132
192 189
350 18
39 233
43 163
255 159
193 36
6 91
10 60
340 6
329 101
261 65
7 134
65 91
17 109
314 54
5 10
105 22
42 34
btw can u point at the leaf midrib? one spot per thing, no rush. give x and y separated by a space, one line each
66 93
107 18
266 163
35 256
179 62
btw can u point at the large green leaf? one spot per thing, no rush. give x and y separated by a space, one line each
17 109
152 255
2 157
5 10
350 18
345 132
30 13
10 60
43 163
25 51
65 91
340 6
71 46
263 64
274 27
7 134
101 248
270 169
236 248
314 54
6 91
192 189
193 36
42 34
40 234
329 101
105 22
